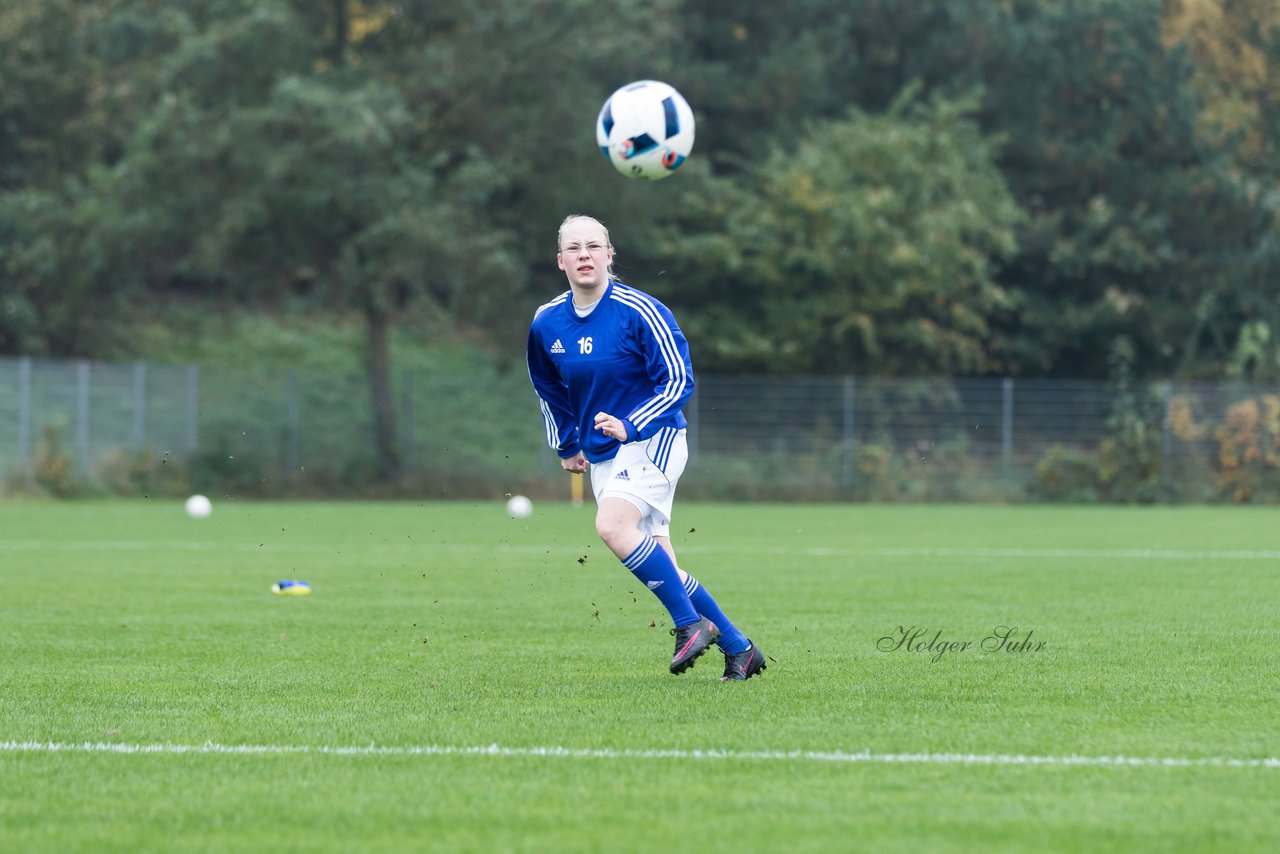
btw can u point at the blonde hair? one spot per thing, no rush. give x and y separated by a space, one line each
572 219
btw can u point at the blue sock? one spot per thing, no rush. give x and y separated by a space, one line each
651 564
731 640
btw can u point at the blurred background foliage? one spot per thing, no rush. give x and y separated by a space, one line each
880 187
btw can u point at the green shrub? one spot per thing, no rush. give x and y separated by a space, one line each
130 473
53 471
1066 474
1249 450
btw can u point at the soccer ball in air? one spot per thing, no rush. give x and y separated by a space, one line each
519 507
199 507
645 130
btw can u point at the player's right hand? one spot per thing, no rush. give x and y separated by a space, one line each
577 463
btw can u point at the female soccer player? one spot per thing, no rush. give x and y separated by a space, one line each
612 371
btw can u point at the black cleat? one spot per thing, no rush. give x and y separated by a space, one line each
744 665
692 641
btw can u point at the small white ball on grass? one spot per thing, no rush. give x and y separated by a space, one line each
199 507
519 507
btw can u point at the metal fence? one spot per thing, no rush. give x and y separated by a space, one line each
273 431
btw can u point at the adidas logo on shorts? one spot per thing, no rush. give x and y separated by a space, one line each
622 475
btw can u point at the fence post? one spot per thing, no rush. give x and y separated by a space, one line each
1166 432
24 412
850 436
82 414
139 406
1006 449
193 408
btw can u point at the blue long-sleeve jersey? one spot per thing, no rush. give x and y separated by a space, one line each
627 358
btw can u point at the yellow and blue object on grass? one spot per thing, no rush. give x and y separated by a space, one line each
291 588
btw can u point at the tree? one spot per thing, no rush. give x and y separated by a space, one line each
367 155
1136 227
276 178
869 246
1236 48
71 85
1235 45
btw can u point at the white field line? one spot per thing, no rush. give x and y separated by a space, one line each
866 757
1129 554
422 548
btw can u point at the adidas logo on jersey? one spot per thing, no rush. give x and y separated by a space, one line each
622 475
557 347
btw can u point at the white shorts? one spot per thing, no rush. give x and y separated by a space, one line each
645 473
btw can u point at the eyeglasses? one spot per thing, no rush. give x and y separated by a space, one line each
575 248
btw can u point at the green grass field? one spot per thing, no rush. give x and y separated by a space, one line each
462 681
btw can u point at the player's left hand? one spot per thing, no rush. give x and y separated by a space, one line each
611 426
